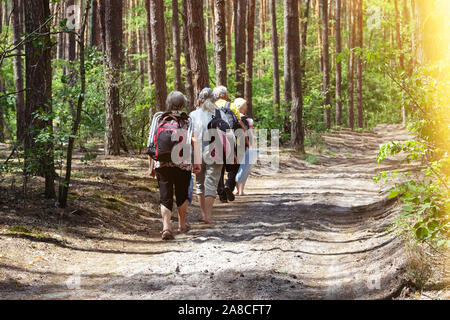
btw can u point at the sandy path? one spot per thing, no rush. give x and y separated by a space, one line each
313 231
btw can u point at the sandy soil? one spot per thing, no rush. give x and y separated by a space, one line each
313 231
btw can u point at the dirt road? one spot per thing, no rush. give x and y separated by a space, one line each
313 231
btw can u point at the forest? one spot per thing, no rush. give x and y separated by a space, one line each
81 79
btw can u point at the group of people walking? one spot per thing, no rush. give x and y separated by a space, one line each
213 111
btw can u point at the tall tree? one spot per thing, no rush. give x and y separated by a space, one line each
228 7
287 76
276 71
71 43
359 75
150 68
249 55
94 25
338 64
197 45
38 67
326 64
17 25
297 131
400 49
220 47
176 45
239 46
187 58
113 66
159 51
303 38
351 63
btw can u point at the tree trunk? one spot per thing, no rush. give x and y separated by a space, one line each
187 58
220 48
351 65
287 75
297 133
197 46
39 88
249 56
276 70
94 26
229 49
150 69
64 187
303 40
159 52
71 52
113 66
359 79
240 41
17 25
325 64
338 64
176 46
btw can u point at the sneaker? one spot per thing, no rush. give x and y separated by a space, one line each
230 194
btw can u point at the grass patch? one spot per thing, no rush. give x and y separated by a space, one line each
310 158
20 229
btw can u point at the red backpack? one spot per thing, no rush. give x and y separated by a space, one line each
160 149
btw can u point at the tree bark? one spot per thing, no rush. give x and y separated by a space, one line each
303 40
276 70
39 89
187 58
176 46
359 77
159 52
17 25
113 66
351 64
287 75
228 6
220 47
71 52
297 133
240 41
338 64
326 64
249 56
150 69
197 46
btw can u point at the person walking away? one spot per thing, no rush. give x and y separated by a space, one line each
225 190
174 177
207 179
250 153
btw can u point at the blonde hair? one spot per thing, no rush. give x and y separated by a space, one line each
208 105
239 103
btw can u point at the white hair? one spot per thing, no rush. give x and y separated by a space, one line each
239 103
220 92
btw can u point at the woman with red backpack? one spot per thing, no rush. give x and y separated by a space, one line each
172 177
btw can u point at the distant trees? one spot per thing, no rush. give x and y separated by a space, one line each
325 64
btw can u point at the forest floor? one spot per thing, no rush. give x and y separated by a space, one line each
316 230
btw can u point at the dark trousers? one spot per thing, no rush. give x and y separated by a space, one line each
232 170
